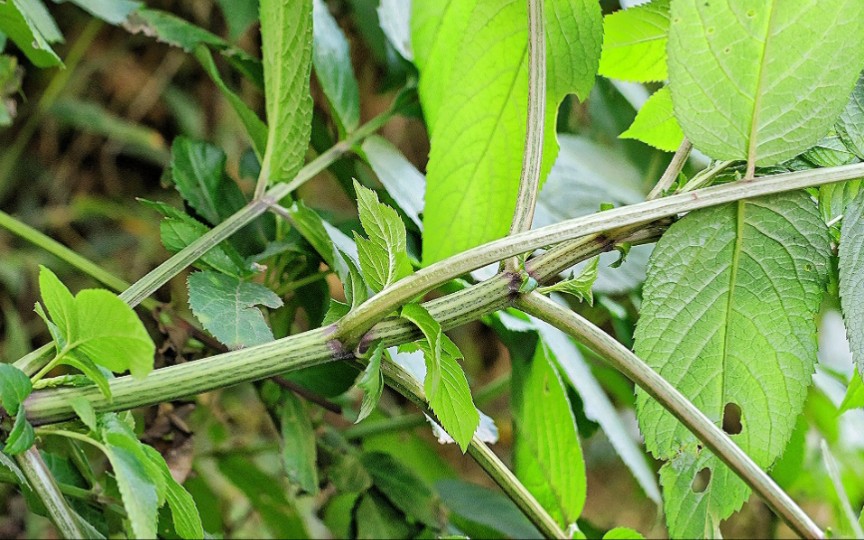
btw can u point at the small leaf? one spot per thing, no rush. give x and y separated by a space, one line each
331 57
446 386
851 265
184 512
547 456
21 436
15 386
400 178
484 513
622 533
655 124
854 398
298 439
384 256
17 22
227 308
59 302
634 43
578 286
286 48
371 381
403 488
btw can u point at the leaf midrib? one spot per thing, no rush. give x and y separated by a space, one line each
733 278
757 94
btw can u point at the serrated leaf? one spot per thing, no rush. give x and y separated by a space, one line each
851 266
850 125
298 439
331 58
226 307
286 47
384 256
371 381
184 511
170 29
655 124
547 455
854 398
446 387
829 151
198 171
377 518
111 11
634 43
484 513
18 21
579 286
395 19
21 436
473 66
728 286
834 198
403 488
732 82
398 175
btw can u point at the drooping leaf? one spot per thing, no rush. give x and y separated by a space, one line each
371 381
850 125
227 307
473 66
384 255
298 439
18 23
579 286
184 511
446 386
198 171
655 123
331 58
727 286
403 488
634 43
731 79
851 275
547 456
400 178
111 11
286 47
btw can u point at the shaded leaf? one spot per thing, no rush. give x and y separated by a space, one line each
198 171
395 19
400 178
184 512
484 513
331 57
298 439
111 11
18 23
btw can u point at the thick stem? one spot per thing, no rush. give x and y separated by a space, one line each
361 319
679 159
529 180
667 395
43 484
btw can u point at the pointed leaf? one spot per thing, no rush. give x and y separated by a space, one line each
400 178
227 308
655 124
634 43
198 171
850 125
58 301
371 381
384 256
286 47
331 57
184 512
298 438
851 276
727 286
732 73
578 286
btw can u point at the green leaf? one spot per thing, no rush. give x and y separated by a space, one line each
298 439
226 306
655 123
85 412
59 302
15 386
634 43
854 398
398 175
725 286
376 518
198 171
239 14
473 66
851 274
834 198
403 488
850 125
21 436
255 127
371 381
446 386
111 11
622 533
829 151
384 256
19 21
184 512
170 29
578 286
331 57
10 84
732 81
286 47
484 513
547 456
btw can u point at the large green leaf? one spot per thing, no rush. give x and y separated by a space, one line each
851 276
403 488
286 46
735 68
227 307
547 456
474 90
634 43
728 319
14 388
331 57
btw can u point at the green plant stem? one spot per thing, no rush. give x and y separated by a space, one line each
529 180
45 486
354 325
7 477
48 367
667 395
679 159
704 177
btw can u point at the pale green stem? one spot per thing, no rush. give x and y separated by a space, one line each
842 497
704 177
667 395
679 159
354 325
45 486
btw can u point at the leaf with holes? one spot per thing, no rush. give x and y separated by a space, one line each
14 388
547 456
227 307
735 68
634 43
728 319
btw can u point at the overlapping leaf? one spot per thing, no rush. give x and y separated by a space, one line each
634 43
384 255
655 124
852 277
331 57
